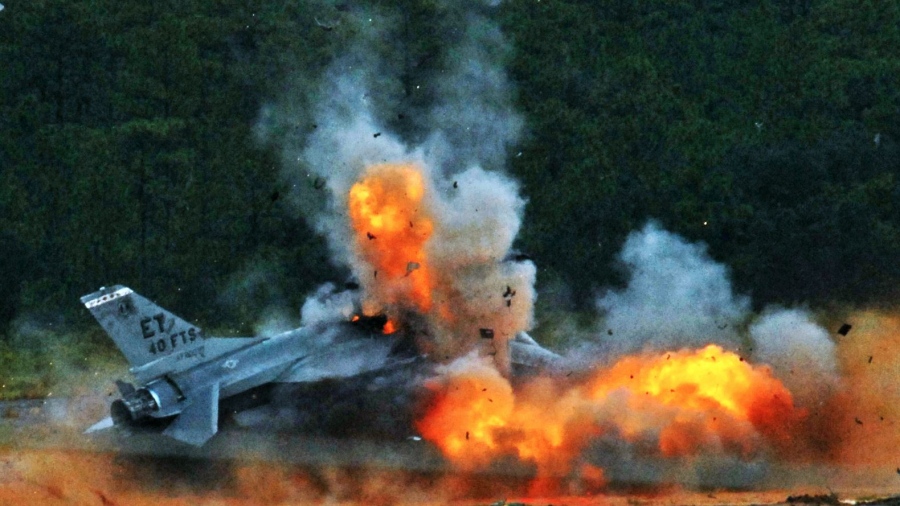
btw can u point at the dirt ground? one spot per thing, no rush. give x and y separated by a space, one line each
52 476
46 460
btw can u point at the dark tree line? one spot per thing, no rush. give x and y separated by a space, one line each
768 130
765 129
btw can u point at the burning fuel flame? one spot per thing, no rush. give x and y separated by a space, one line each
392 227
439 255
687 401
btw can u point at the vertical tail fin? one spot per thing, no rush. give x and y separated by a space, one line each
143 331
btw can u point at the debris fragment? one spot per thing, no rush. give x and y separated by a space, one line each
401 116
411 266
467 435
319 183
275 196
370 236
858 421
870 359
845 329
486 333
377 135
455 184
609 332
414 438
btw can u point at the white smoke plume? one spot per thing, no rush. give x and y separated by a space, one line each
799 350
327 306
677 296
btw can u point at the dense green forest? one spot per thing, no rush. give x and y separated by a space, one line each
769 130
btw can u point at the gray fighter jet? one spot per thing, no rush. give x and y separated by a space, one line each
184 374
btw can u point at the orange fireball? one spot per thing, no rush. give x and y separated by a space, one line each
715 398
710 378
392 227
692 402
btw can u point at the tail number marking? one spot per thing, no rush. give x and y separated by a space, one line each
162 344
147 329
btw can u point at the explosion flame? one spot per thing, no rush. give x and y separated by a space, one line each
392 226
686 402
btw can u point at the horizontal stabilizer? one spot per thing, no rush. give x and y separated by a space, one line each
199 421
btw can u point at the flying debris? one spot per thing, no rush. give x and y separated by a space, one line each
182 375
845 329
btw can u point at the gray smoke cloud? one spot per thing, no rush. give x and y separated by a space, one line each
457 142
327 305
474 121
800 352
677 296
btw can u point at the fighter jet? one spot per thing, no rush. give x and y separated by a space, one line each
184 374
